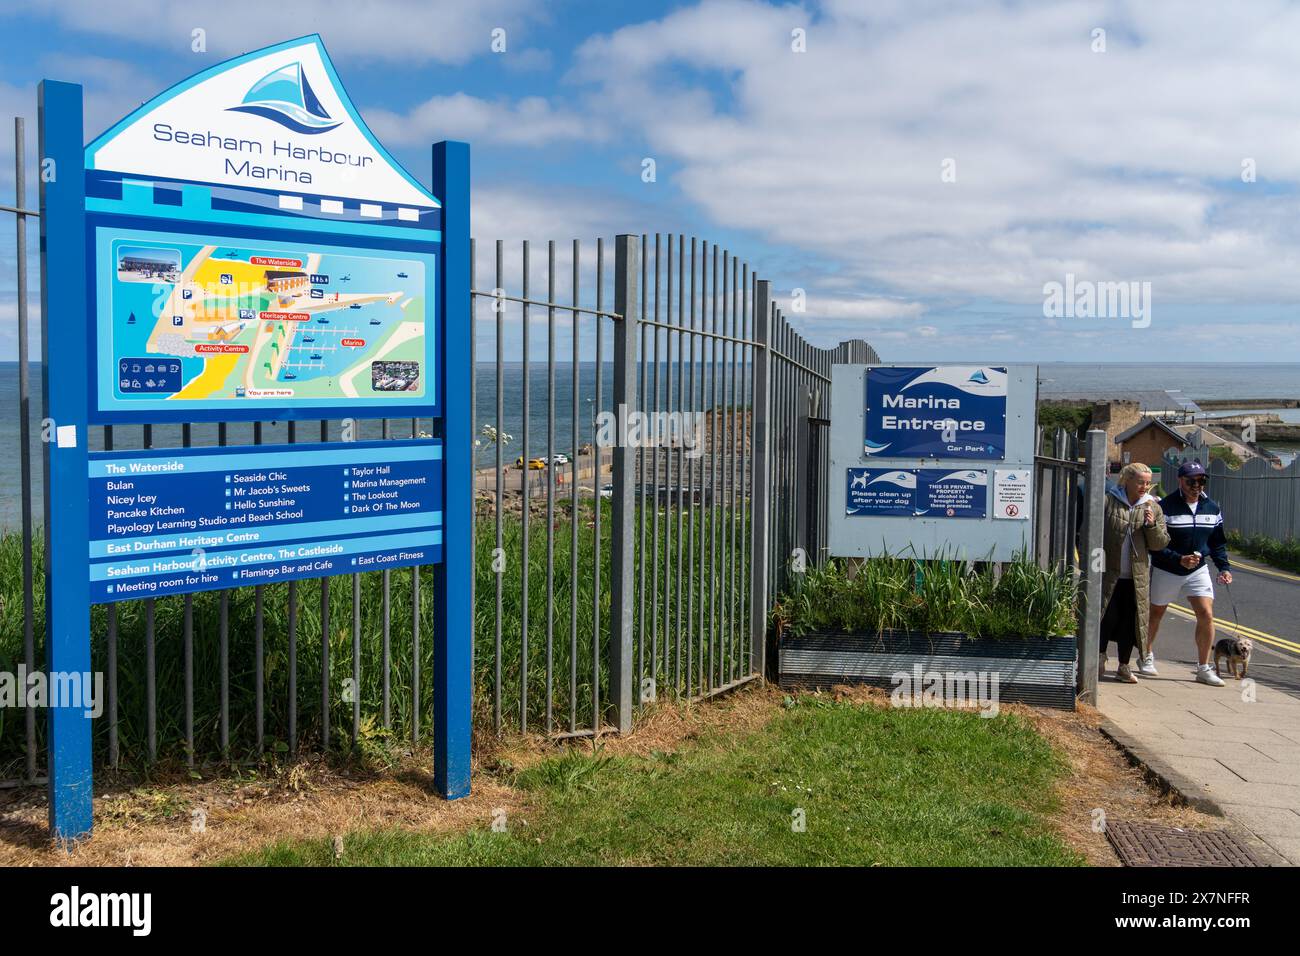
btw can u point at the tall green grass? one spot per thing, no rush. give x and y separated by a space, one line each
906 593
572 672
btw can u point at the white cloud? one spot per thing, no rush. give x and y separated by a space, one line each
1117 165
863 308
526 122
406 31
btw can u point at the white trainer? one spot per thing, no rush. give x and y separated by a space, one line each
1124 675
1205 675
1147 666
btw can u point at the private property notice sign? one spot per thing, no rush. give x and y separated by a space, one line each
915 492
953 411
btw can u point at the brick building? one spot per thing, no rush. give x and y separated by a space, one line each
1147 441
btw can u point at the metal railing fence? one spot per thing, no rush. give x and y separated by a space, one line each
677 414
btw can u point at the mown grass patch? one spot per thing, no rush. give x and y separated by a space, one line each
871 785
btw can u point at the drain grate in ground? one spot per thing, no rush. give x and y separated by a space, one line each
1142 845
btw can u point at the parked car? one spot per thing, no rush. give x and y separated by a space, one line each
607 491
536 464
559 459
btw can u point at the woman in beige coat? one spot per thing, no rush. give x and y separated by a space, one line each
1135 526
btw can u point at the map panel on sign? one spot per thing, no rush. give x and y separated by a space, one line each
226 322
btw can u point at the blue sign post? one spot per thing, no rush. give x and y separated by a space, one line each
64 360
251 253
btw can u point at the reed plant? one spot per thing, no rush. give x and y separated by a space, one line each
893 592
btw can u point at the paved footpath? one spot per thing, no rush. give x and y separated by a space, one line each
1221 749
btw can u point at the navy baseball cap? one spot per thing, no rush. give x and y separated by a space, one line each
1190 469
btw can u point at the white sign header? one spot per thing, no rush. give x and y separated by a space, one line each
275 119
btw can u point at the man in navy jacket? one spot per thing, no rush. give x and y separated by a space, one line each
1196 536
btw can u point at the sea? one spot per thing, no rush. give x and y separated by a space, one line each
1194 381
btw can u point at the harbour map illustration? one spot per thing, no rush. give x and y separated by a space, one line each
201 321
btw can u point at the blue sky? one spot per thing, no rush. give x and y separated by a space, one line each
920 169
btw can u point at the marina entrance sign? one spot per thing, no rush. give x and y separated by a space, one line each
242 248
911 448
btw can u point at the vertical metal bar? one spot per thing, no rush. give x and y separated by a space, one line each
655 474
386 610
550 481
25 452
573 515
223 645
1093 539
356 659
259 714
324 665
259 649
415 655
223 650
683 462
150 670
473 481
760 480
622 504
724 649
150 684
499 307
731 455
715 655
640 459
690 518
113 747
525 515
746 473
293 666
292 636
187 646
596 499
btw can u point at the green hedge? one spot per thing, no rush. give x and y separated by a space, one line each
1284 554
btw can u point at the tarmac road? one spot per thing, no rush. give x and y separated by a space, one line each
1267 610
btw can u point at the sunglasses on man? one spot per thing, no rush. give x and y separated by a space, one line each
1196 482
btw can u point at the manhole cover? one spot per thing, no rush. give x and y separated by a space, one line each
1140 845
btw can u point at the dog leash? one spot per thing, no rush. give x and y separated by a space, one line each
1235 625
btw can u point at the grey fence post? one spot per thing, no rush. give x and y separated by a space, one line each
761 479
622 555
1094 529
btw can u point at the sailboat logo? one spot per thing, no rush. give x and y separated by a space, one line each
979 377
284 95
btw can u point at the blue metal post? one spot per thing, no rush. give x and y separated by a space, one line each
454 616
67 524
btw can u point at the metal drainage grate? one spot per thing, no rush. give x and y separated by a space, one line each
1140 845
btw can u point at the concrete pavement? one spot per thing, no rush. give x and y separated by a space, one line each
1233 749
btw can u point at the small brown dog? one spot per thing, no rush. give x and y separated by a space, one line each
1237 651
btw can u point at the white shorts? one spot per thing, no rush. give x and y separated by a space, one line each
1167 588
